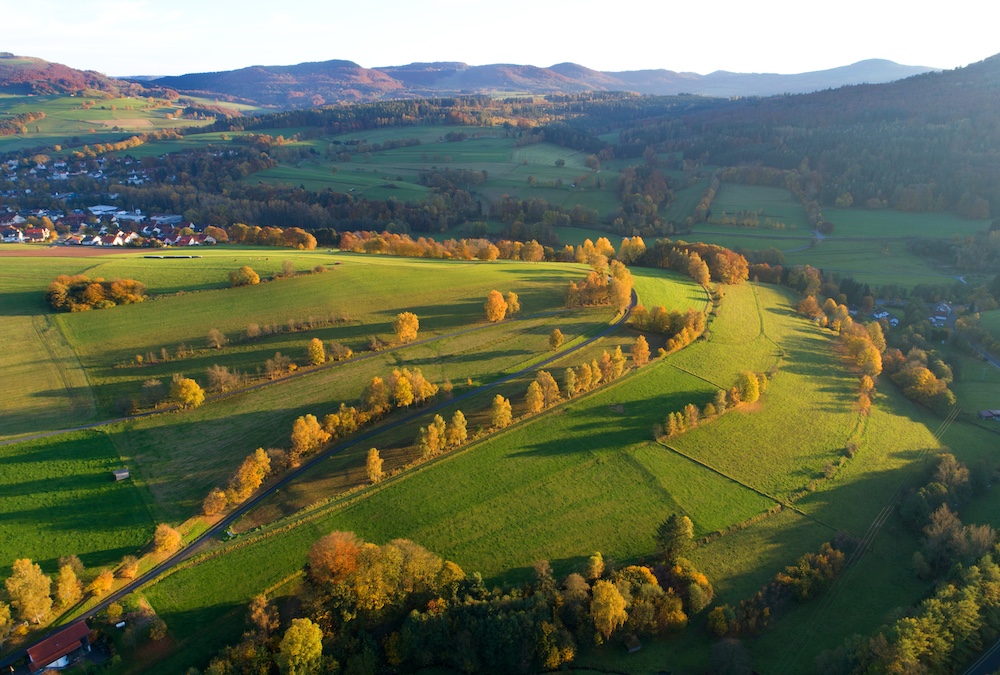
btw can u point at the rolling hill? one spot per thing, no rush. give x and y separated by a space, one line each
310 84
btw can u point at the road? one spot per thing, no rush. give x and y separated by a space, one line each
292 475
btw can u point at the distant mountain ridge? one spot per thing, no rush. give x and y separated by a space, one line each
311 84
322 82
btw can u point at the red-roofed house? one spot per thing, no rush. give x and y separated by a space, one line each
55 651
111 239
36 234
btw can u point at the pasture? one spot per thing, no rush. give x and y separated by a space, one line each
361 294
58 498
889 224
776 204
106 120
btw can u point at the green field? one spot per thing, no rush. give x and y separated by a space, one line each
991 321
776 204
887 262
897 224
601 442
110 119
445 295
58 498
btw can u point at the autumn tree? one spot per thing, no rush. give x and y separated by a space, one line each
307 436
186 392
244 276
675 537
263 616
166 539
640 352
215 502
316 352
129 567
406 326
249 476
513 304
549 387
334 557
500 412
595 566
102 583
555 339
569 382
457 432
217 339
301 649
748 386
29 591
373 466
607 608
617 363
535 398
69 590
6 623
496 306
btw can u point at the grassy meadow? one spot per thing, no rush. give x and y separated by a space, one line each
58 497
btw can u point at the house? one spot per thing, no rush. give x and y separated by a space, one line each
120 474
11 235
58 650
36 234
943 308
990 415
110 240
129 238
166 219
186 240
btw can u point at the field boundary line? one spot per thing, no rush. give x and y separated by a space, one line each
781 502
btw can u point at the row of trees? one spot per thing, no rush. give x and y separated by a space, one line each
923 378
31 595
681 329
248 477
748 388
812 574
439 436
391 243
78 293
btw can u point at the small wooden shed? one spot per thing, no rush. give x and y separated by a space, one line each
120 474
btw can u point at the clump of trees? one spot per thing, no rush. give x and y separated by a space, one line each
79 293
497 306
439 436
398 606
605 285
702 262
812 574
248 477
922 378
610 366
681 329
747 389
244 276
389 243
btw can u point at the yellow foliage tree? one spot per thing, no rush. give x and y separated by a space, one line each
496 306
406 326
187 392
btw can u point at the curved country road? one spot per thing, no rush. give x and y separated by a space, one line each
289 477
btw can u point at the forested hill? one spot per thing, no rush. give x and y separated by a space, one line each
926 143
28 75
311 84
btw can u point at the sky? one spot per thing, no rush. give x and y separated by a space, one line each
172 37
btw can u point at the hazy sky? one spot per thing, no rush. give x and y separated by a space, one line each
168 37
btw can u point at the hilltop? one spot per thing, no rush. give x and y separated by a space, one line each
29 75
309 84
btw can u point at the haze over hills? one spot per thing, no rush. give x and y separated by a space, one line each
310 84
306 83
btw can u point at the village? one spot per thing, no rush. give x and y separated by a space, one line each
101 226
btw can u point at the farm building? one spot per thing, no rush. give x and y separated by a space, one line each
120 474
58 650
990 415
